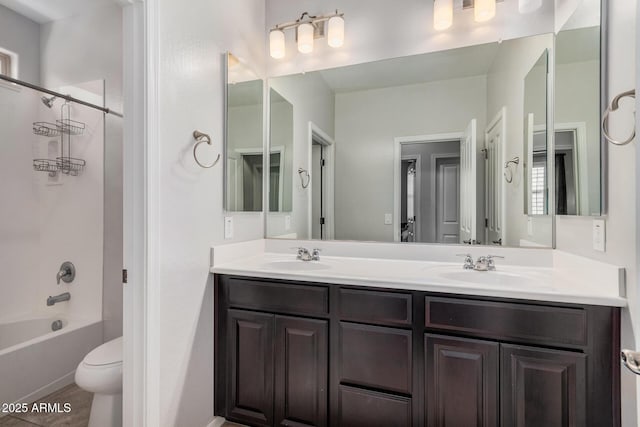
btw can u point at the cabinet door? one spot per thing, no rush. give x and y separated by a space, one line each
250 365
542 387
461 381
301 371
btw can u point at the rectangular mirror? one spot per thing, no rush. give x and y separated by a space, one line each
423 149
243 138
281 153
535 165
578 141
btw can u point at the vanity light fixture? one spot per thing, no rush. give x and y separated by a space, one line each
308 28
442 14
528 6
484 10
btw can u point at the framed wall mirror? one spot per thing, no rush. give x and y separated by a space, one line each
580 151
244 136
418 149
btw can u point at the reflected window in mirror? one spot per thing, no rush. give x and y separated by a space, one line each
244 169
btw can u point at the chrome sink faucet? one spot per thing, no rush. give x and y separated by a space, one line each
305 255
468 261
58 298
486 263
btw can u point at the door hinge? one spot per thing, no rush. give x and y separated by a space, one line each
485 153
486 222
125 276
321 220
322 162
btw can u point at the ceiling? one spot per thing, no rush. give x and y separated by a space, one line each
445 65
43 11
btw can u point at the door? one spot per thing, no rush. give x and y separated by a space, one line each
468 176
542 387
234 181
494 143
461 380
250 366
448 200
301 371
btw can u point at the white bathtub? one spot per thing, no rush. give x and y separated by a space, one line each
36 361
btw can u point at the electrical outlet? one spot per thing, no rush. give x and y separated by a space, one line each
388 219
228 227
599 235
287 222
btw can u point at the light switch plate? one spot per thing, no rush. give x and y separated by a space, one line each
599 235
388 219
287 222
530 226
228 227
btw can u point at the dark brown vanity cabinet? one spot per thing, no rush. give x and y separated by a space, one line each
313 354
276 365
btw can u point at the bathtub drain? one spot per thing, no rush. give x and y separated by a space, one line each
56 325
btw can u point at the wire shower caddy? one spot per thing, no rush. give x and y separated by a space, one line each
63 128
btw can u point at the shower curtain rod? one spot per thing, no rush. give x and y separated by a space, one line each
59 95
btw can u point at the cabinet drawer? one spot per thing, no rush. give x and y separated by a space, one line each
387 308
508 321
376 357
308 300
364 408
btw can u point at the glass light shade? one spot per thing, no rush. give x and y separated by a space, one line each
442 14
528 6
305 38
276 44
483 10
335 36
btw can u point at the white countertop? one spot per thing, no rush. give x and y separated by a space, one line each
568 278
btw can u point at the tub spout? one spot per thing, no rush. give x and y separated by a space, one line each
58 298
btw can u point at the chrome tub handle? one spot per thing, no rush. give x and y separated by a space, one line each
631 359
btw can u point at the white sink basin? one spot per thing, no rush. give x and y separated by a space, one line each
494 278
296 265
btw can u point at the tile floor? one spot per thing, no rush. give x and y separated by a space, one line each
79 400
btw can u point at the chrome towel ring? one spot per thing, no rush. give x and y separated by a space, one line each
508 174
306 172
201 137
613 107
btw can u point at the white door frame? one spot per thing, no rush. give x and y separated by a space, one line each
141 373
330 145
397 169
580 162
500 118
417 189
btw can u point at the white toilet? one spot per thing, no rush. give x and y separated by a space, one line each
100 372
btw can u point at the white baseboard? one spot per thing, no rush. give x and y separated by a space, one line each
49 388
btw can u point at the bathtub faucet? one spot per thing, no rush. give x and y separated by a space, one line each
58 298
67 272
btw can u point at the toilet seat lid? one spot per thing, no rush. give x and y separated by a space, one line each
106 354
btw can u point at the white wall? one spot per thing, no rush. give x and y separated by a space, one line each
313 101
367 123
573 234
85 48
20 212
190 213
380 29
21 36
505 88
